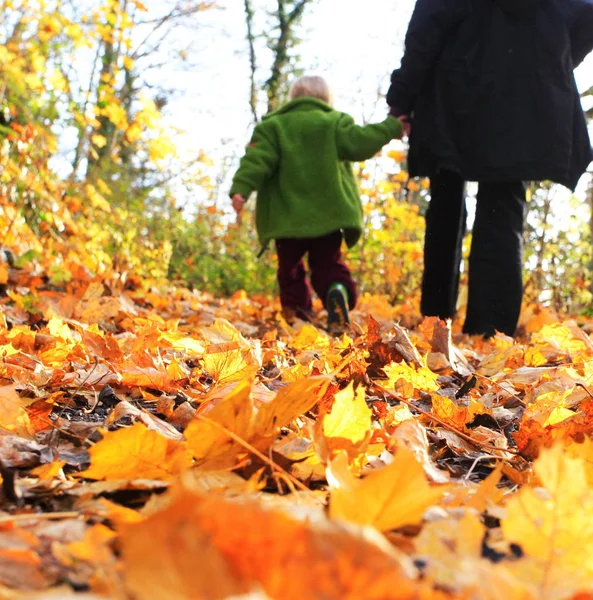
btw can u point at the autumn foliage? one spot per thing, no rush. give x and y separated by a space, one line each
165 433
163 443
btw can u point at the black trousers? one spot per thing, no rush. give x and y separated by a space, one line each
496 256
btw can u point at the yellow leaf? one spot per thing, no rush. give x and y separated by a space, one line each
388 498
553 526
139 5
99 140
421 378
160 148
136 453
348 424
446 545
128 63
290 402
227 363
117 115
309 338
97 200
57 328
57 81
451 549
49 471
133 132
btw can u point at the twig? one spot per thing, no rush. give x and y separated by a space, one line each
432 417
253 450
582 385
40 516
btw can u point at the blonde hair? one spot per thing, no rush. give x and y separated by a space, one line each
312 86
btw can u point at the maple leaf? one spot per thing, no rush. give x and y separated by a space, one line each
452 550
209 547
348 424
388 498
445 409
421 378
136 452
552 525
13 416
208 437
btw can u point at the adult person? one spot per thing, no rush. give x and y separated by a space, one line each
491 94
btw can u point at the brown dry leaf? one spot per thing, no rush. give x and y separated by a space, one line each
18 452
209 547
136 453
21 568
388 498
412 436
553 526
125 409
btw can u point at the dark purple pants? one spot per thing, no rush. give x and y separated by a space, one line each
325 264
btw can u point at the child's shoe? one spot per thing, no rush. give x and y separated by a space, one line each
336 302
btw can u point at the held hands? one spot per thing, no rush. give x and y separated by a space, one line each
405 121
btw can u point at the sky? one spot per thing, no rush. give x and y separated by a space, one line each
355 44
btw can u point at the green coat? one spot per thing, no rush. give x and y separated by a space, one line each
298 161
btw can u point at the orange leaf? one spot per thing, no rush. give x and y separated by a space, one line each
209 547
136 453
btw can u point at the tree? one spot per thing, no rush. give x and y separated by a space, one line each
281 41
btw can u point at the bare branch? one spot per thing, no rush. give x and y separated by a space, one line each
252 59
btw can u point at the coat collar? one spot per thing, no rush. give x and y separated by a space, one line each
301 104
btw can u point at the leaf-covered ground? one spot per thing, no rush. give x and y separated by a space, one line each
167 444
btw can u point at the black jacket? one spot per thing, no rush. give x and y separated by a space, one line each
491 90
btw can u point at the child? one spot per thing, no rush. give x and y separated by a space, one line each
308 200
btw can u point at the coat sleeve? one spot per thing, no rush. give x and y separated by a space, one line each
258 163
431 22
581 33
360 142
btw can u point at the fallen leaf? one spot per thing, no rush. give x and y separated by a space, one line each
388 498
136 452
209 547
553 527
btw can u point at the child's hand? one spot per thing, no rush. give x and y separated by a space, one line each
238 203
